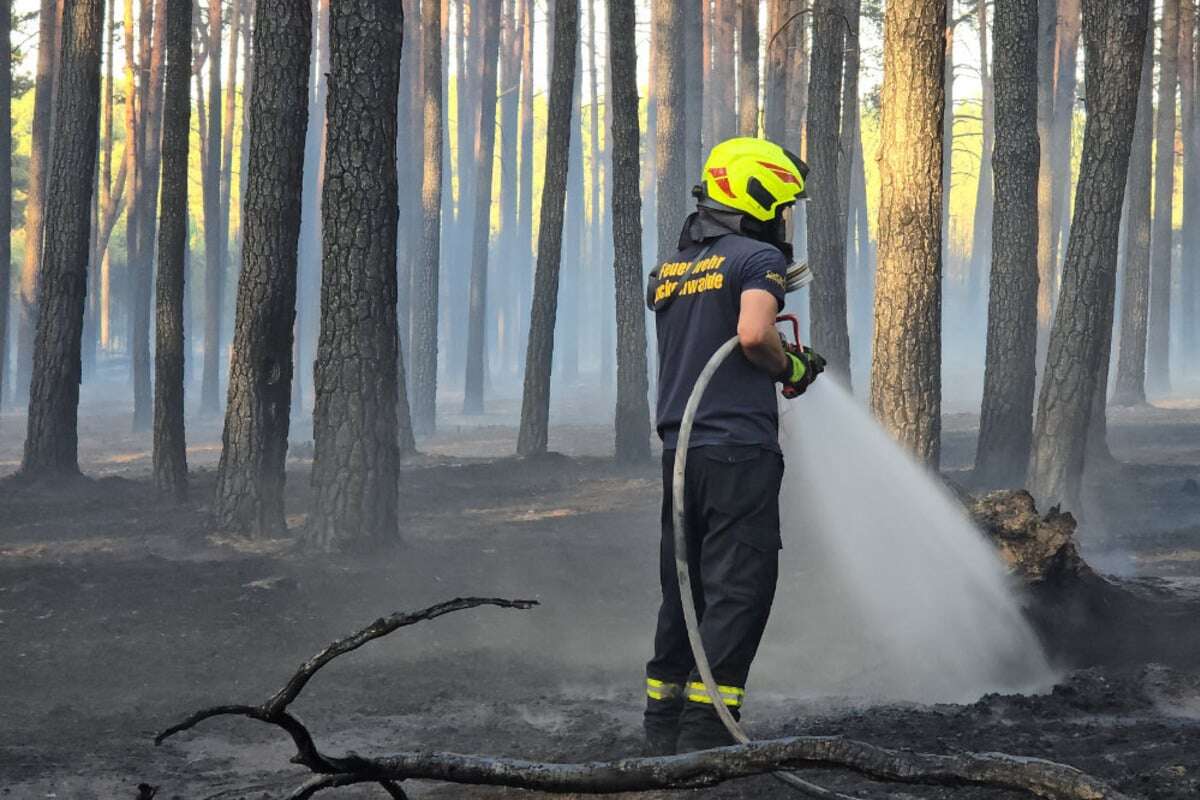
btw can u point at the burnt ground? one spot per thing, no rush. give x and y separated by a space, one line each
118 615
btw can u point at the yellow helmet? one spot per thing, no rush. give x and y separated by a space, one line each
753 176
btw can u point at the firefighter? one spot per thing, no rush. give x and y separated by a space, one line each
728 278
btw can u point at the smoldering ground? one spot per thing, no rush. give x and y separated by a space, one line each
119 616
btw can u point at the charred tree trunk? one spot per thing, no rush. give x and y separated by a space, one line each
1158 364
747 69
1114 34
214 235
535 402
633 409
1130 387
35 196
51 443
170 447
250 479
826 221
906 386
484 156
1006 419
428 270
6 185
356 436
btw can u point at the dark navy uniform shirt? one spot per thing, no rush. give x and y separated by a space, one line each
695 313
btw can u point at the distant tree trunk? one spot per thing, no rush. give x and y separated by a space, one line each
567 350
668 86
1062 128
35 196
356 435
748 69
484 157
106 199
1114 33
947 135
535 403
981 249
775 83
633 409
1047 37
228 118
724 35
510 133
170 447
1130 387
906 386
1158 364
250 479
524 241
426 276
6 185
693 87
214 236
797 108
1006 419
826 220
1189 307
51 443
150 154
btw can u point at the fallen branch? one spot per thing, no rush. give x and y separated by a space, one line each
1038 777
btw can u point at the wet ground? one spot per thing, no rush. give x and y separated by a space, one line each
118 615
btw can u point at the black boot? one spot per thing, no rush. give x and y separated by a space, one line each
661 724
701 729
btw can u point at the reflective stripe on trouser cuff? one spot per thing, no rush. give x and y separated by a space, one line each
662 690
730 695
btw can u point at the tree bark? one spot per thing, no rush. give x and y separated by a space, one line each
1062 128
947 134
51 443
251 477
826 220
228 119
484 157
1158 363
214 235
1006 418
426 276
170 446
668 86
535 403
693 87
633 409
35 197
1114 34
1047 37
1189 328
356 435
906 386
981 246
1130 387
747 69
724 38
775 82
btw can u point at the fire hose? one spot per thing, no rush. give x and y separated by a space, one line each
684 574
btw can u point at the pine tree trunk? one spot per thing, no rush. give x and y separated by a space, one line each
826 220
797 113
1062 128
214 235
906 386
633 409
356 435
1006 418
170 446
51 443
309 258
35 197
1047 37
525 183
228 119
724 40
510 134
947 139
1158 363
6 185
775 79
1189 329
427 273
567 350
250 479
150 155
1130 387
747 69
1114 33
106 198
670 190
535 403
693 87
485 153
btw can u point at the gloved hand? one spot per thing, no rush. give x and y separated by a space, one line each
803 366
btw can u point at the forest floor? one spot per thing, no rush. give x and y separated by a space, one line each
118 616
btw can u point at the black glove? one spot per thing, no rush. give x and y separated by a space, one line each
803 367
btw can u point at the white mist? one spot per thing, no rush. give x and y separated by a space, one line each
887 591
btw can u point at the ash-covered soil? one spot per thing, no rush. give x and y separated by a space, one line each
119 615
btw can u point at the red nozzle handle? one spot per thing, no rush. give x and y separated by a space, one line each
795 327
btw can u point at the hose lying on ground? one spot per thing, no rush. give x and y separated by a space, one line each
684 574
